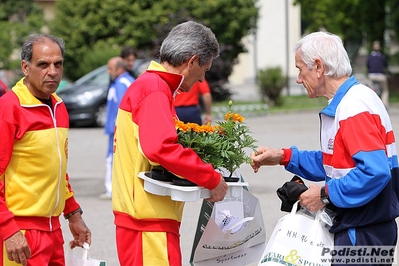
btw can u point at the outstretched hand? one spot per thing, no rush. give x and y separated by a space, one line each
266 156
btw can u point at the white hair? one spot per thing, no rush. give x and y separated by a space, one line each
327 47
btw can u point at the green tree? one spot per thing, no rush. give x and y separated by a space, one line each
353 20
83 24
17 20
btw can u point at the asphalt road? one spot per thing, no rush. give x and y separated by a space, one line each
87 147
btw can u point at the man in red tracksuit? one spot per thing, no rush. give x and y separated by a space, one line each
147 225
34 187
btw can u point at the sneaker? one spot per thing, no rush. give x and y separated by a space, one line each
105 196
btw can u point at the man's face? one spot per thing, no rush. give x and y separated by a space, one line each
129 61
43 74
307 77
112 70
194 72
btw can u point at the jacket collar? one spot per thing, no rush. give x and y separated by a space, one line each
342 90
26 98
173 80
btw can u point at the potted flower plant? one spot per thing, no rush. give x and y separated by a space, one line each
222 145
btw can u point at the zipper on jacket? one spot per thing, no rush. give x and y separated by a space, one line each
52 114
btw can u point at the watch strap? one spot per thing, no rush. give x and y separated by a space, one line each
324 196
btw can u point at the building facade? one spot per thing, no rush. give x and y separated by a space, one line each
279 28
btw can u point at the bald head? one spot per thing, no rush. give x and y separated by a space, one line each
116 67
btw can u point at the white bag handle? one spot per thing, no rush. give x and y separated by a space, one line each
85 252
295 207
239 223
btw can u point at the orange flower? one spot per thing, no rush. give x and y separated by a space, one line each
221 145
234 117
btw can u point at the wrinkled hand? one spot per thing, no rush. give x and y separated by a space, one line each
311 198
266 156
218 193
79 230
17 248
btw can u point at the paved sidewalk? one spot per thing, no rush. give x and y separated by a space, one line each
87 147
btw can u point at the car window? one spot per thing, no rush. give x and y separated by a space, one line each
98 76
101 78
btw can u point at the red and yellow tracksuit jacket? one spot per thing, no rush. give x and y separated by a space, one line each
34 188
145 135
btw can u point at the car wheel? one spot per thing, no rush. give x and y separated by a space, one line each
100 115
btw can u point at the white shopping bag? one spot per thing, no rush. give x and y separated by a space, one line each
84 259
298 239
236 241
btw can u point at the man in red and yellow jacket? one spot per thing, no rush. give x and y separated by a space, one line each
34 187
147 225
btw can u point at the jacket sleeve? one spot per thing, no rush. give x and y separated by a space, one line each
159 142
8 226
307 164
70 202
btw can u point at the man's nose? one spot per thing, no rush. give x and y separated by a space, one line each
52 70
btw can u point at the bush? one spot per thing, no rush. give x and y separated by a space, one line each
271 82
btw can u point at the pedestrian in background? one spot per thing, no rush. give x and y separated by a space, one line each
120 81
187 104
147 225
129 55
34 185
357 162
377 67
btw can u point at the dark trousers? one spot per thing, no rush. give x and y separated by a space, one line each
375 235
189 114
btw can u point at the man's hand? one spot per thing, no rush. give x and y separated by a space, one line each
207 119
266 156
17 248
79 230
218 193
311 198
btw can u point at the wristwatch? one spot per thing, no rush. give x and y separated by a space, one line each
323 196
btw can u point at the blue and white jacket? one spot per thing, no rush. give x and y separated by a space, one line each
115 93
358 159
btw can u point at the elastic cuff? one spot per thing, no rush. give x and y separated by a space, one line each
286 157
67 216
70 205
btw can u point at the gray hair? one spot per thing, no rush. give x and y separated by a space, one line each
27 47
186 40
120 63
327 47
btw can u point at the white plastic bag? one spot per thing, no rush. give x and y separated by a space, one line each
84 259
238 243
298 239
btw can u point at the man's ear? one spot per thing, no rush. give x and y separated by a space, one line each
192 60
318 64
24 67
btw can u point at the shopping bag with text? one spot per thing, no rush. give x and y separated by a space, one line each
298 239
